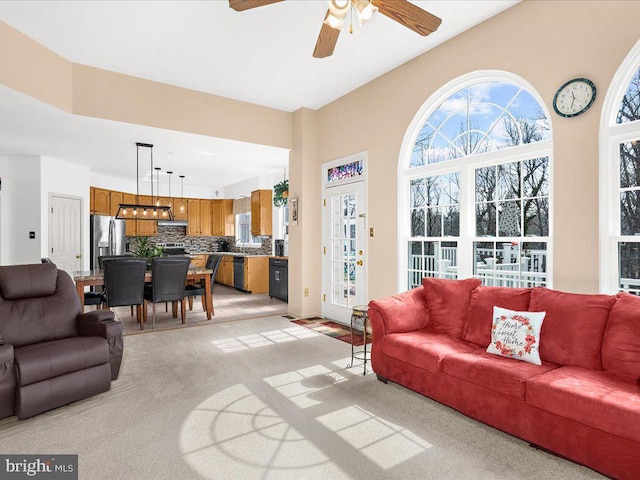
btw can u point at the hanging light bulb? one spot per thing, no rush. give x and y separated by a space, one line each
182 193
365 10
157 169
338 10
170 173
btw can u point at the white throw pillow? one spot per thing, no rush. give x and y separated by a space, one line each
516 334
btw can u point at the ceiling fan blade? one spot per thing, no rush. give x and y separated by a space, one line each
409 15
242 5
326 40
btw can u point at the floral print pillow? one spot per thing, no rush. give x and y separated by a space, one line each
516 334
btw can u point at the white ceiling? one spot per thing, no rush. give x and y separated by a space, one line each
262 56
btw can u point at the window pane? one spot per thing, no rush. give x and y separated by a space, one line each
629 221
509 181
485 219
434 222
417 223
509 264
535 177
451 221
536 217
629 267
432 259
630 164
509 219
418 196
630 106
485 184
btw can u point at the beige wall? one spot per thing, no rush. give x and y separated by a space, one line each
546 43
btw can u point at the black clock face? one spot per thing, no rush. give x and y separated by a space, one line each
574 97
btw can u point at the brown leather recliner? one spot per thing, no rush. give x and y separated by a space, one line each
50 353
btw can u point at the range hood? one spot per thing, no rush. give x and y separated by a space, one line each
172 223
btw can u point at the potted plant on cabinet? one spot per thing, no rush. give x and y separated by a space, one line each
145 249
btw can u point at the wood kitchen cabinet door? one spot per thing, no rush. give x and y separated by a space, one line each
193 216
115 199
261 212
147 228
224 275
222 218
180 209
100 201
205 218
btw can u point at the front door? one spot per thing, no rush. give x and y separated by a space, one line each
65 245
344 258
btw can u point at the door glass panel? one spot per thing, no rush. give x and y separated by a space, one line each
343 275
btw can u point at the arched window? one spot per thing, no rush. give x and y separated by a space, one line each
620 180
474 185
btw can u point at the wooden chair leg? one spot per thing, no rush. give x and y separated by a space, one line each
190 303
174 309
132 310
166 307
204 303
183 303
144 315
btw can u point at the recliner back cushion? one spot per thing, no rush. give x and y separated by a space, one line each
31 320
477 328
448 304
573 328
621 344
28 281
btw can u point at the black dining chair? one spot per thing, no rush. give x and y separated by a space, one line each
168 278
90 298
124 283
213 262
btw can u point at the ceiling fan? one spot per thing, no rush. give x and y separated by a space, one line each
402 11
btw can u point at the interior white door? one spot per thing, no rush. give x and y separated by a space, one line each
65 245
344 259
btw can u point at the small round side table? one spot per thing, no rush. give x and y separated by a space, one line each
360 319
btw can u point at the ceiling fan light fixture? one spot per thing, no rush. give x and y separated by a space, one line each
334 22
365 10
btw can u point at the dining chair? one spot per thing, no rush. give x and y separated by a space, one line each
168 278
90 298
124 283
213 262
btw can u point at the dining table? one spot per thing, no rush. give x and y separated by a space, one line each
92 278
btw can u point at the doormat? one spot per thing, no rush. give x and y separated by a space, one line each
333 329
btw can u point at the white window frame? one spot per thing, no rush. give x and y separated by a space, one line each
611 135
466 165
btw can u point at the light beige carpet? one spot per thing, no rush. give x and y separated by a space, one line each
268 399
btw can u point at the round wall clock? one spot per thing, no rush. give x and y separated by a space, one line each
574 97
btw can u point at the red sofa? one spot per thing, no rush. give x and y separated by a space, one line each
582 403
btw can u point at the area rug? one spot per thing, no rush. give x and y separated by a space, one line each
333 329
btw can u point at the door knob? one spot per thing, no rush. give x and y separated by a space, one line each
78 256
359 262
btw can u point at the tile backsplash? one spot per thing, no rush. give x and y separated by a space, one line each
202 244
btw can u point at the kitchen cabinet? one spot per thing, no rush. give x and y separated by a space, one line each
205 218
115 199
99 201
199 260
261 212
256 274
279 278
222 218
199 217
180 209
224 275
132 225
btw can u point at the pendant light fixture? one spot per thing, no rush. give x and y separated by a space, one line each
182 193
157 169
133 211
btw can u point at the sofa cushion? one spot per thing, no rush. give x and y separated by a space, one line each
41 361
573 328
499 374
28 281
477 328
621 343
448 303
424 349
597 399
516 335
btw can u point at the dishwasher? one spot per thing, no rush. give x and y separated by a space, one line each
238 273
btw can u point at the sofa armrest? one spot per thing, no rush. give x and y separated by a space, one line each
101 323
404 312
7 380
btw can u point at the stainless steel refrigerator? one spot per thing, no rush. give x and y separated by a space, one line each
108 237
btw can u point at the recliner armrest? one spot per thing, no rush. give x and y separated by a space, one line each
7 380
99 323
